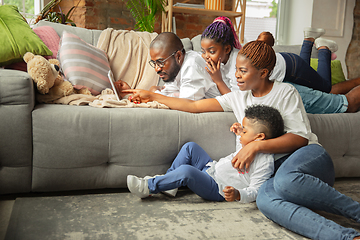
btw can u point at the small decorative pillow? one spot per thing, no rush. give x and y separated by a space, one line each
84 65
337 74
51 39
17 38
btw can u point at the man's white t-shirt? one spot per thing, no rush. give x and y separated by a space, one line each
193 81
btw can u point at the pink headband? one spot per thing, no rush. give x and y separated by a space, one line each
237 42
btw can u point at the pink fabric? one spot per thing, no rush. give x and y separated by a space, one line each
51 39
228 22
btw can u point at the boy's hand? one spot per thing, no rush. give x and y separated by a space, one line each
231 194
236 128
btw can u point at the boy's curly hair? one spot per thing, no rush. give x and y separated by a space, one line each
267 120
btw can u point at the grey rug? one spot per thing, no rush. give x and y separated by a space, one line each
121 215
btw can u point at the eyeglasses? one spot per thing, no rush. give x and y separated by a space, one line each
161 63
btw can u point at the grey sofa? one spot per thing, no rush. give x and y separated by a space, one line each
50 147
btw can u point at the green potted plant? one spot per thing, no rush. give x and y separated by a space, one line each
48 14
144 12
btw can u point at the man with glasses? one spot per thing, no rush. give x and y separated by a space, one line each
183 73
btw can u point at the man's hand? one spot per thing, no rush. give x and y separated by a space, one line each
245 157
231 194
139 96
156 88
236 128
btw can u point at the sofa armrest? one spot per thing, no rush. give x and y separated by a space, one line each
17 100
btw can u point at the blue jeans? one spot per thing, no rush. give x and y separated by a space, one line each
302 182
320 102
188 169
299 71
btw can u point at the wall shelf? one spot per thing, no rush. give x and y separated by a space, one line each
166 23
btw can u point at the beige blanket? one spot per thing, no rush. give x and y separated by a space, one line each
106 99
128 53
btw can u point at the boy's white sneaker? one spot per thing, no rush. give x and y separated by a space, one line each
330 44
138 186
171 193
315 33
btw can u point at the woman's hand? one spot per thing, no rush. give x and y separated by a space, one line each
231 194
214 70
245 157
236 128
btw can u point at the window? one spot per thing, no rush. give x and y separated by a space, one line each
260 16
28 8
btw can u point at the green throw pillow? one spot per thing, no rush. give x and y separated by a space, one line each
337 74
17 37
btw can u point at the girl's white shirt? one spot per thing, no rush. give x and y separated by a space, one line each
228 70
279 71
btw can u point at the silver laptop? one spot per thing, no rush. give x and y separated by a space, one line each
112 82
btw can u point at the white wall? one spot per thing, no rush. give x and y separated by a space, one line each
296 14
328 14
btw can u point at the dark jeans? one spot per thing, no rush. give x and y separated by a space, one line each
299 71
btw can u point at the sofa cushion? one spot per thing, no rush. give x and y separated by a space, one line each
90 36
17 37
187 44
84 65
51 39
99 147
337 74
48 35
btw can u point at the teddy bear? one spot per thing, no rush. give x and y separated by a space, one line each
46 74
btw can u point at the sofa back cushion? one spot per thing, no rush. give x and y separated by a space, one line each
88 35
82 64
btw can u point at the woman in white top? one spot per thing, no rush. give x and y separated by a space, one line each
304 174
220 45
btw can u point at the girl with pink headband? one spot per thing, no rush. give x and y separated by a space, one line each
219 47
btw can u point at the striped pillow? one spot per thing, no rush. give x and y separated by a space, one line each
84 65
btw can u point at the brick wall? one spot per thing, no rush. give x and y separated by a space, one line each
352 58
102 14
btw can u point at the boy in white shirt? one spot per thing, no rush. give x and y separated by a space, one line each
219 180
